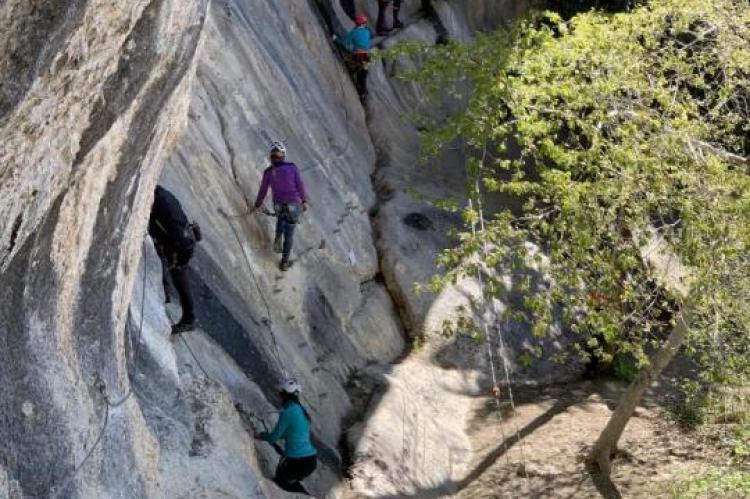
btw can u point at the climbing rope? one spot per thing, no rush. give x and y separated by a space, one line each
108 404
56 491
195 358
267 320
490 354
499 334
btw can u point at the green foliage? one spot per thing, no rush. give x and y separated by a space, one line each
716 482
624 367
691 408
624 138
741 444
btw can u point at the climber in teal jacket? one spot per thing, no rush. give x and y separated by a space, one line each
300 456
356 53
358 39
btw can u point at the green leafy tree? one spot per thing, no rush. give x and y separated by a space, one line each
624 137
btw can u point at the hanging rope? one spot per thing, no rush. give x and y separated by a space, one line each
498 332
490 355
267 320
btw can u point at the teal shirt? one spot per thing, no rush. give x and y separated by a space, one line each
360 38
294 428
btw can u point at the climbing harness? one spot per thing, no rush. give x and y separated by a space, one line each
108 404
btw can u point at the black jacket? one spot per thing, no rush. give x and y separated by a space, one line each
168 224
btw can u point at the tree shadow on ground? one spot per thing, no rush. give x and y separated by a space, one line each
604 485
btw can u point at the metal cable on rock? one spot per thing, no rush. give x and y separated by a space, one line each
267 321
195 358
56 491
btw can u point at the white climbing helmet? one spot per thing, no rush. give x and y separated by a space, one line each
278 146
291 386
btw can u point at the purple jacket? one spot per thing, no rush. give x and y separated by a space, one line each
286 184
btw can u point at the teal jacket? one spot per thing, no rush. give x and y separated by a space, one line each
360 38
294 428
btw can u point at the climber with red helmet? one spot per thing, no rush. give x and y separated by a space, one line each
300 456
357 44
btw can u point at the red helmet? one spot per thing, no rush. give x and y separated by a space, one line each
360 19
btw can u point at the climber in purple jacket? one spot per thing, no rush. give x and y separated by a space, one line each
289 200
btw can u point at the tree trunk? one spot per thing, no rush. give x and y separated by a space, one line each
606 444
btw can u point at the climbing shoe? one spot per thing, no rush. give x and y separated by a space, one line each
182 327
284 265
398 24
277 245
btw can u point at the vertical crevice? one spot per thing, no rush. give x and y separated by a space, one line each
14 232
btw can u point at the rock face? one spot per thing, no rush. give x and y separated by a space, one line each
93 97
93 93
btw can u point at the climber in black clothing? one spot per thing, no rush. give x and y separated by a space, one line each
356 47
174 240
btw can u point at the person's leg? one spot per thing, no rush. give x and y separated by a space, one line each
164 277
182 284
286 261
284 474
382 27
306 467
279 229
291 218
290 472
361 84
397 24
431 14
288 240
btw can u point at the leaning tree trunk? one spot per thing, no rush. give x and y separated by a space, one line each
606 444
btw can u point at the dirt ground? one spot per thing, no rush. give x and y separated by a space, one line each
556 425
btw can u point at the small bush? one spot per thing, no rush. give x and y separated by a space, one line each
717 482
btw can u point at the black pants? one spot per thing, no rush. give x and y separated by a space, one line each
357 66
383 26
360 82
177 264
291 471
